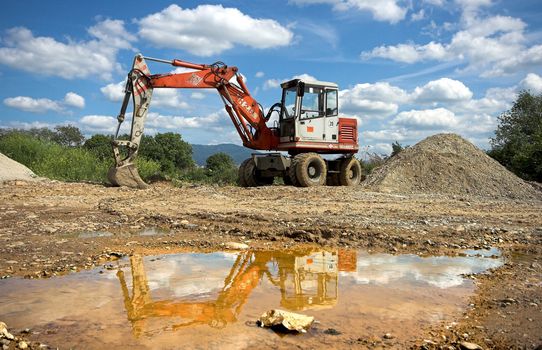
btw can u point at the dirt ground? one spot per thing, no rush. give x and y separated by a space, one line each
49 228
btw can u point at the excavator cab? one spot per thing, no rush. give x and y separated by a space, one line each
309 111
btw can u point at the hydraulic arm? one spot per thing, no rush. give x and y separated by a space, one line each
245 112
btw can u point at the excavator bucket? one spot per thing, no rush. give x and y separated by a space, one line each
126 175
139 90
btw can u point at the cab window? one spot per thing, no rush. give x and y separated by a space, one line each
312 104
289 103
331 103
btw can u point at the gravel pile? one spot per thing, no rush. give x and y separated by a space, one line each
448 164
12 170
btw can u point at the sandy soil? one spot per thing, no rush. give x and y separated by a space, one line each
50 228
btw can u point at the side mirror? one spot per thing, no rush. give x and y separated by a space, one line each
301 89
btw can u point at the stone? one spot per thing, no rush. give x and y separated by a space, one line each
289 320
236 246
4 332
23 345
388 336
469 346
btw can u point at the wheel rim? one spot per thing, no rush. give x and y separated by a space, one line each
314 171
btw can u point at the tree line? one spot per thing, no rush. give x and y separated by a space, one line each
65 154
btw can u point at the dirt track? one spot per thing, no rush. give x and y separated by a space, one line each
49 228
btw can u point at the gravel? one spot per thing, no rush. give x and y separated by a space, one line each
11 170
448 164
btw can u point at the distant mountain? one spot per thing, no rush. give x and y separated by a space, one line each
200 153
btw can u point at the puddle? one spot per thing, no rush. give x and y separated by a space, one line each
147 231
488 253
92 234
202 301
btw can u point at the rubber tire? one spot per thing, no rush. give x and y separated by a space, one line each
251 176
306 161
292 170
241 173
350 172
332 179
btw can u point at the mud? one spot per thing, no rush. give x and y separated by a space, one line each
52 229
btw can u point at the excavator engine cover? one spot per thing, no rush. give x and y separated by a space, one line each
126 175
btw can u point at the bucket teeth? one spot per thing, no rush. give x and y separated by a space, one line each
126 175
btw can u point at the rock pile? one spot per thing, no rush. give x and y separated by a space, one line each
11 170
448 164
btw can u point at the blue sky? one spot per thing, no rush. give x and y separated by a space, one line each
406 69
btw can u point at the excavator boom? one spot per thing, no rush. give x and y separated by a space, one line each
245 112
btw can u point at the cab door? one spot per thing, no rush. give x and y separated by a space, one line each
311 122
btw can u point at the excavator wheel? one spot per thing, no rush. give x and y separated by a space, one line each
251 176
350 172
292 175
311 170
241 173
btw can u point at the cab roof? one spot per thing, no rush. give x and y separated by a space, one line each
295 82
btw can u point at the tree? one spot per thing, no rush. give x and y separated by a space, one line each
518 139
100 145
396 148
169 150
68 135
219 162
220 168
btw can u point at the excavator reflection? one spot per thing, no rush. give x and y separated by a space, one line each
306 279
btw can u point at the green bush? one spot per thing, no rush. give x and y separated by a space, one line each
71 164
23 148
518 139
171 158
147 168
52 160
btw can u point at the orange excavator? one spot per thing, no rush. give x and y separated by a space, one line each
308 126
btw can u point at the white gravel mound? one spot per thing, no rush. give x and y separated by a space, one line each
11 170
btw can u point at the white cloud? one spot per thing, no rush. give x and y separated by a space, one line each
44 105
275 83
197 95
373 100
259 74
211 29
165 98
382 10
490 46
418 16
74 100
113 33
408 53
114 92
70 60
99 124
33 105
427 119
170 122
532 83
442 90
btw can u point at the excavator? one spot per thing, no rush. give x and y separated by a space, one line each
308 126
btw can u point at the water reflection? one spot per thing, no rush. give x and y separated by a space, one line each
304 278
184 290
